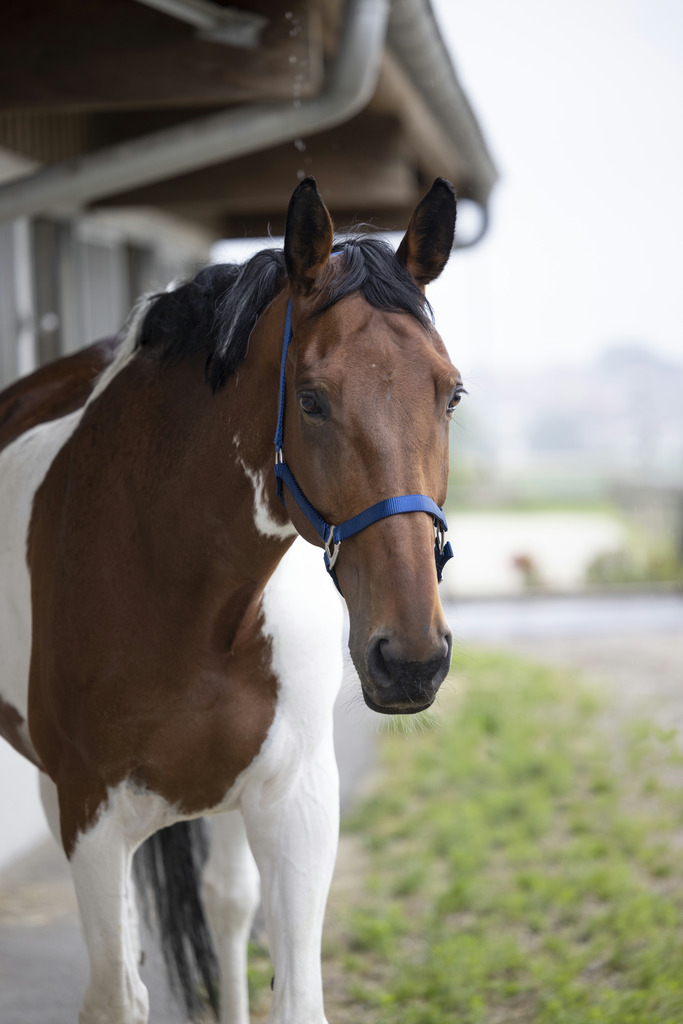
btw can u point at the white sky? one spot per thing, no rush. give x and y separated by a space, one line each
581 102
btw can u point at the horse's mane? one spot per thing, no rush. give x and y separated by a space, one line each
214 314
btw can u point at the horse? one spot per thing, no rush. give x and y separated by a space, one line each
171 645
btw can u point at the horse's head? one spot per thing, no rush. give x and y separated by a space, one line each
370 393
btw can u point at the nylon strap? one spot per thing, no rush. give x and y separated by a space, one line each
285 476
386 508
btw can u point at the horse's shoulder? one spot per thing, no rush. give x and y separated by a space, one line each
52 391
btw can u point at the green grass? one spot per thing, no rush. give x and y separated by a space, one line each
520 867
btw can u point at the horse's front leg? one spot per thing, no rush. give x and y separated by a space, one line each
294 836
101 863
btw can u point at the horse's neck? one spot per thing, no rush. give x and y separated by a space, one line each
199 468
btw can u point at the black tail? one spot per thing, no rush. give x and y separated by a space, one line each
167 871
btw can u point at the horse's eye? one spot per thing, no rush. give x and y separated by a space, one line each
456 395
311 405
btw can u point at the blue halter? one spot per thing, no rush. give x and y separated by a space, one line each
332 536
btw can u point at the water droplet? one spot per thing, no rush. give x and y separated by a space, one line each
49 322
300 145
301 174
289 15
292 59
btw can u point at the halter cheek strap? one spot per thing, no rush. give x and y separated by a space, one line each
332 536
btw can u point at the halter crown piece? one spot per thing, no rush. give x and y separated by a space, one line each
332 536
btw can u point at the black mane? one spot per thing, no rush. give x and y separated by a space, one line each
214 314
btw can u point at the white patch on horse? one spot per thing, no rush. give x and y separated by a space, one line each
23 465
127 347
303 619
263 519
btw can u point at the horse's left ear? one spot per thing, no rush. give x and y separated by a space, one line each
428 241
308 237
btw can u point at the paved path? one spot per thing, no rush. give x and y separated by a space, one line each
507 621
632 645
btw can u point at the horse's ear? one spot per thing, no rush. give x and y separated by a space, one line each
308 237
428 241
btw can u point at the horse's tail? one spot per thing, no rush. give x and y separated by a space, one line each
167 870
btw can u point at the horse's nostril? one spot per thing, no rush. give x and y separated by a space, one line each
390 665
377 663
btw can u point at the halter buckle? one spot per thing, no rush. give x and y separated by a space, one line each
331 549
439 536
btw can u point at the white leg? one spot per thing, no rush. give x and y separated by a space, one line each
294 841
101 869
50 801
101 872
230 887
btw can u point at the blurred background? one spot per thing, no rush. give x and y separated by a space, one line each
140 139
565 320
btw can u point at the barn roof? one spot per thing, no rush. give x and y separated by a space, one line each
213 112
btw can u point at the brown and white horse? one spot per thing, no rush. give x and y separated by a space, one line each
167 650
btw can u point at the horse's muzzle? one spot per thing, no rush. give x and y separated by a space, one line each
396 685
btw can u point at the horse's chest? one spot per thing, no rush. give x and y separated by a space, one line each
202 742
185 725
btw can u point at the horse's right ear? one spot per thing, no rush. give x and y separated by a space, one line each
308 237
428 241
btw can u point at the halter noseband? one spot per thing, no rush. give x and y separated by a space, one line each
332 536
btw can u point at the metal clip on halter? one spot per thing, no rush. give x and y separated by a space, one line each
332 536
331 550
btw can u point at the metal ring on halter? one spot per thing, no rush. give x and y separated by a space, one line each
332 549
279 457
439 536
